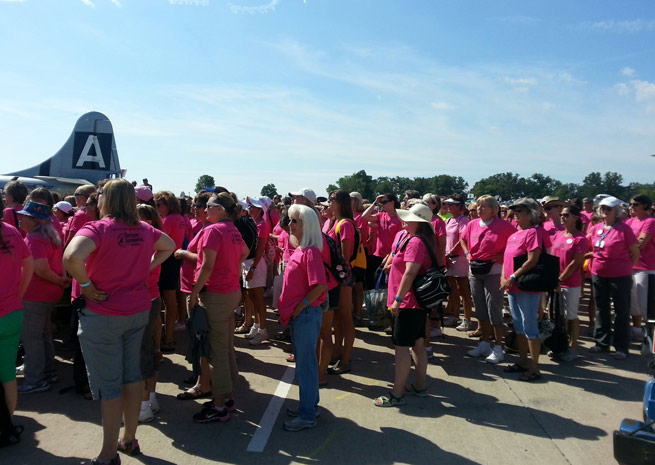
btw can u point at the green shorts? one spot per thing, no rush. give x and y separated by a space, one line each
11 326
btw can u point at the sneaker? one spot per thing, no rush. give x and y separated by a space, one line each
154 403
114 461
29 389
261 336
211 413
465 325
482 350
620 355
435 332
569 355
429 352
496 355
146 414
230 405
20 370
598 349
253 332
294 412
298 424
449 321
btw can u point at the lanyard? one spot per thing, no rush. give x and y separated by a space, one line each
602 236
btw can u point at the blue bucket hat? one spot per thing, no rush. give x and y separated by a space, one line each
36 210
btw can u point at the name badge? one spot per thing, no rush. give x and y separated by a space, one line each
569 241
600 244
600 231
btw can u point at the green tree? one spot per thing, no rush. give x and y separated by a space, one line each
444 184
635 188
539 185
357 182
610 183
568 191
269 190
507 185
205 181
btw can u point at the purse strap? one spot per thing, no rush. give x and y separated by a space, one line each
435 264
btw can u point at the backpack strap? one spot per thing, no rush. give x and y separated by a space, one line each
435 264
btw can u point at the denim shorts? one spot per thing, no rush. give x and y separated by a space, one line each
525 308
111 346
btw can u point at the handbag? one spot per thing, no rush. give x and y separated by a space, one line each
480 267
558 341
431 288
376 306
544 277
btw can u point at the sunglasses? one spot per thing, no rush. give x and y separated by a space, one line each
635 204
565 215
294 220
332 199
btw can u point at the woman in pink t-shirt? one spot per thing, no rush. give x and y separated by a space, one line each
530 240
409 260
643 225
17 265
615 252
112 259
46 288
357 205
220 253
303 292
570 245
174 225
15 193
386 225
80 218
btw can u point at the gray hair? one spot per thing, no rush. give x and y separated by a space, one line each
311 228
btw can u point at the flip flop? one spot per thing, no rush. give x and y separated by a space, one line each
193 393
516 368
529 377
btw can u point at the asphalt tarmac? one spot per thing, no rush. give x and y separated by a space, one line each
474 414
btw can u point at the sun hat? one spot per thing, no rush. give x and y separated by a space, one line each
256 202
553 201
36 210
525 202
418 213
305 192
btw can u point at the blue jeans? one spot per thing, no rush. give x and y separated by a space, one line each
305 329
525 308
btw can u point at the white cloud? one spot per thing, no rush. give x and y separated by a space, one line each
255 9
12 1
628 71
189 2
630 27
643 91
117 3
89 3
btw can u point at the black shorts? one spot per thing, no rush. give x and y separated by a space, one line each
359 274
409 326
169 278
333 298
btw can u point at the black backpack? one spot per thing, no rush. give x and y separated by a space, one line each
339 268
248 230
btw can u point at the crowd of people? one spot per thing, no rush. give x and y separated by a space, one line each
141 265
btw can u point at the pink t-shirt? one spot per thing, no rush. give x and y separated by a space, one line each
346 232
327 227
586 217
454 228
175 226
188 231
153 282
551 229
39 289
189 271
387 229
285 244
225 239
647 254
439 226
11 261
79 219
519 243
10 215
612 256
566 248
415 252
486 241
263 229
304 269
120 265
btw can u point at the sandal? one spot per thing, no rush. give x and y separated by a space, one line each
193 393
339 368
529 377
516 368
129 447
417 392
390 401
167 348
476 333
243 329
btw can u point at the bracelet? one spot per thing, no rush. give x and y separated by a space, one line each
398 299
305 301
183 252
86 284
467 253
512 277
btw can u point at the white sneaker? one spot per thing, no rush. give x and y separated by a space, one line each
154 403
253 332
435 332
20 370
261 336
482 350
496 355
465 325
146 415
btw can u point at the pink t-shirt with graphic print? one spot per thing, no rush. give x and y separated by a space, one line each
519 243
415 252
611 258
484 242
11 260
120 265
387 229
304 269
41 290
566 247
647 254
225 239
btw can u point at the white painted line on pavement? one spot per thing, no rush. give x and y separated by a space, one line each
260 438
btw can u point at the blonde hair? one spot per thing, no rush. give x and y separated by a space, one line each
119 202
490 201
86 190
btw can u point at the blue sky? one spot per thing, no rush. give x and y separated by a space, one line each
299 93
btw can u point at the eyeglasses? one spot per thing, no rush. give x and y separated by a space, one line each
565 215
294 220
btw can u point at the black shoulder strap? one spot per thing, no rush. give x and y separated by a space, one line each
402 249
435 264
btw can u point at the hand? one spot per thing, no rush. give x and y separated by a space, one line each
178 254
193 300
379 199
505 284
395 308
249 275
91 293
64 282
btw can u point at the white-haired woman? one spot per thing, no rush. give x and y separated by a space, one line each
111 259
411 256
303 292
615 252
